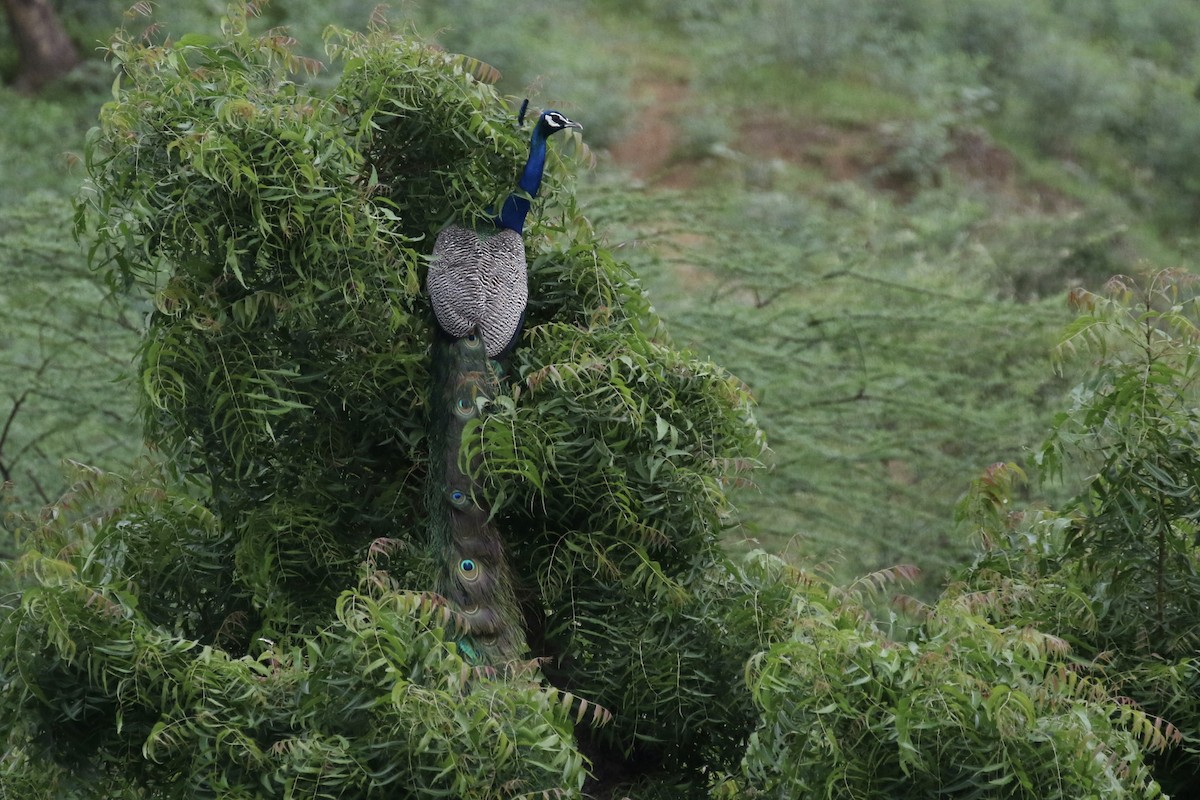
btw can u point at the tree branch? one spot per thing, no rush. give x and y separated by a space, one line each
5 470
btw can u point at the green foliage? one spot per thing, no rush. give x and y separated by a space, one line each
1162 31
997 33
1114 571
208 611
116 700
921 146
815 35
238 620
1067 94
964 708
551 50
240 202
1159 129
38 137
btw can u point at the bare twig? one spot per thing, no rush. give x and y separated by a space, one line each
5 469
37 487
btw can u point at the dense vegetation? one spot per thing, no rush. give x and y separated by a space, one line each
873 214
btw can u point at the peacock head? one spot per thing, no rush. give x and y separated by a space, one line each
551 122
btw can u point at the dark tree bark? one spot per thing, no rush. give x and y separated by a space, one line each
45 50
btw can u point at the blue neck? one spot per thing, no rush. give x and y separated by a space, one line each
516 205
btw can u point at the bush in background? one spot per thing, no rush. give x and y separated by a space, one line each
961 707
1114 572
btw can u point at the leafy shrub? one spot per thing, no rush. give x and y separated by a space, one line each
962 707
1065 93
997 33
1040 256
1160 132
816 35
674 12
111 696
1115 571
253 613
1163 31
948 102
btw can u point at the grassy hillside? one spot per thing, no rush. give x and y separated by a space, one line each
872 214
869 212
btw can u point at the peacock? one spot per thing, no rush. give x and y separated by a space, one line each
478 288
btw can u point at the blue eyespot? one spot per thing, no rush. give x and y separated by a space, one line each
469 571
458 497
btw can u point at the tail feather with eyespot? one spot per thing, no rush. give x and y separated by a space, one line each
473 574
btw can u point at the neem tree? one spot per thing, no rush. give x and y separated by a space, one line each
251 615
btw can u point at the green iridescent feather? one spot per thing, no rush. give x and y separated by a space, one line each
473 575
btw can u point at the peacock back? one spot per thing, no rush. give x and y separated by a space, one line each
477 281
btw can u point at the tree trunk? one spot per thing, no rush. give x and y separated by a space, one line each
43 47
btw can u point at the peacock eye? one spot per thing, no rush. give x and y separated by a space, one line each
458 497
468 569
